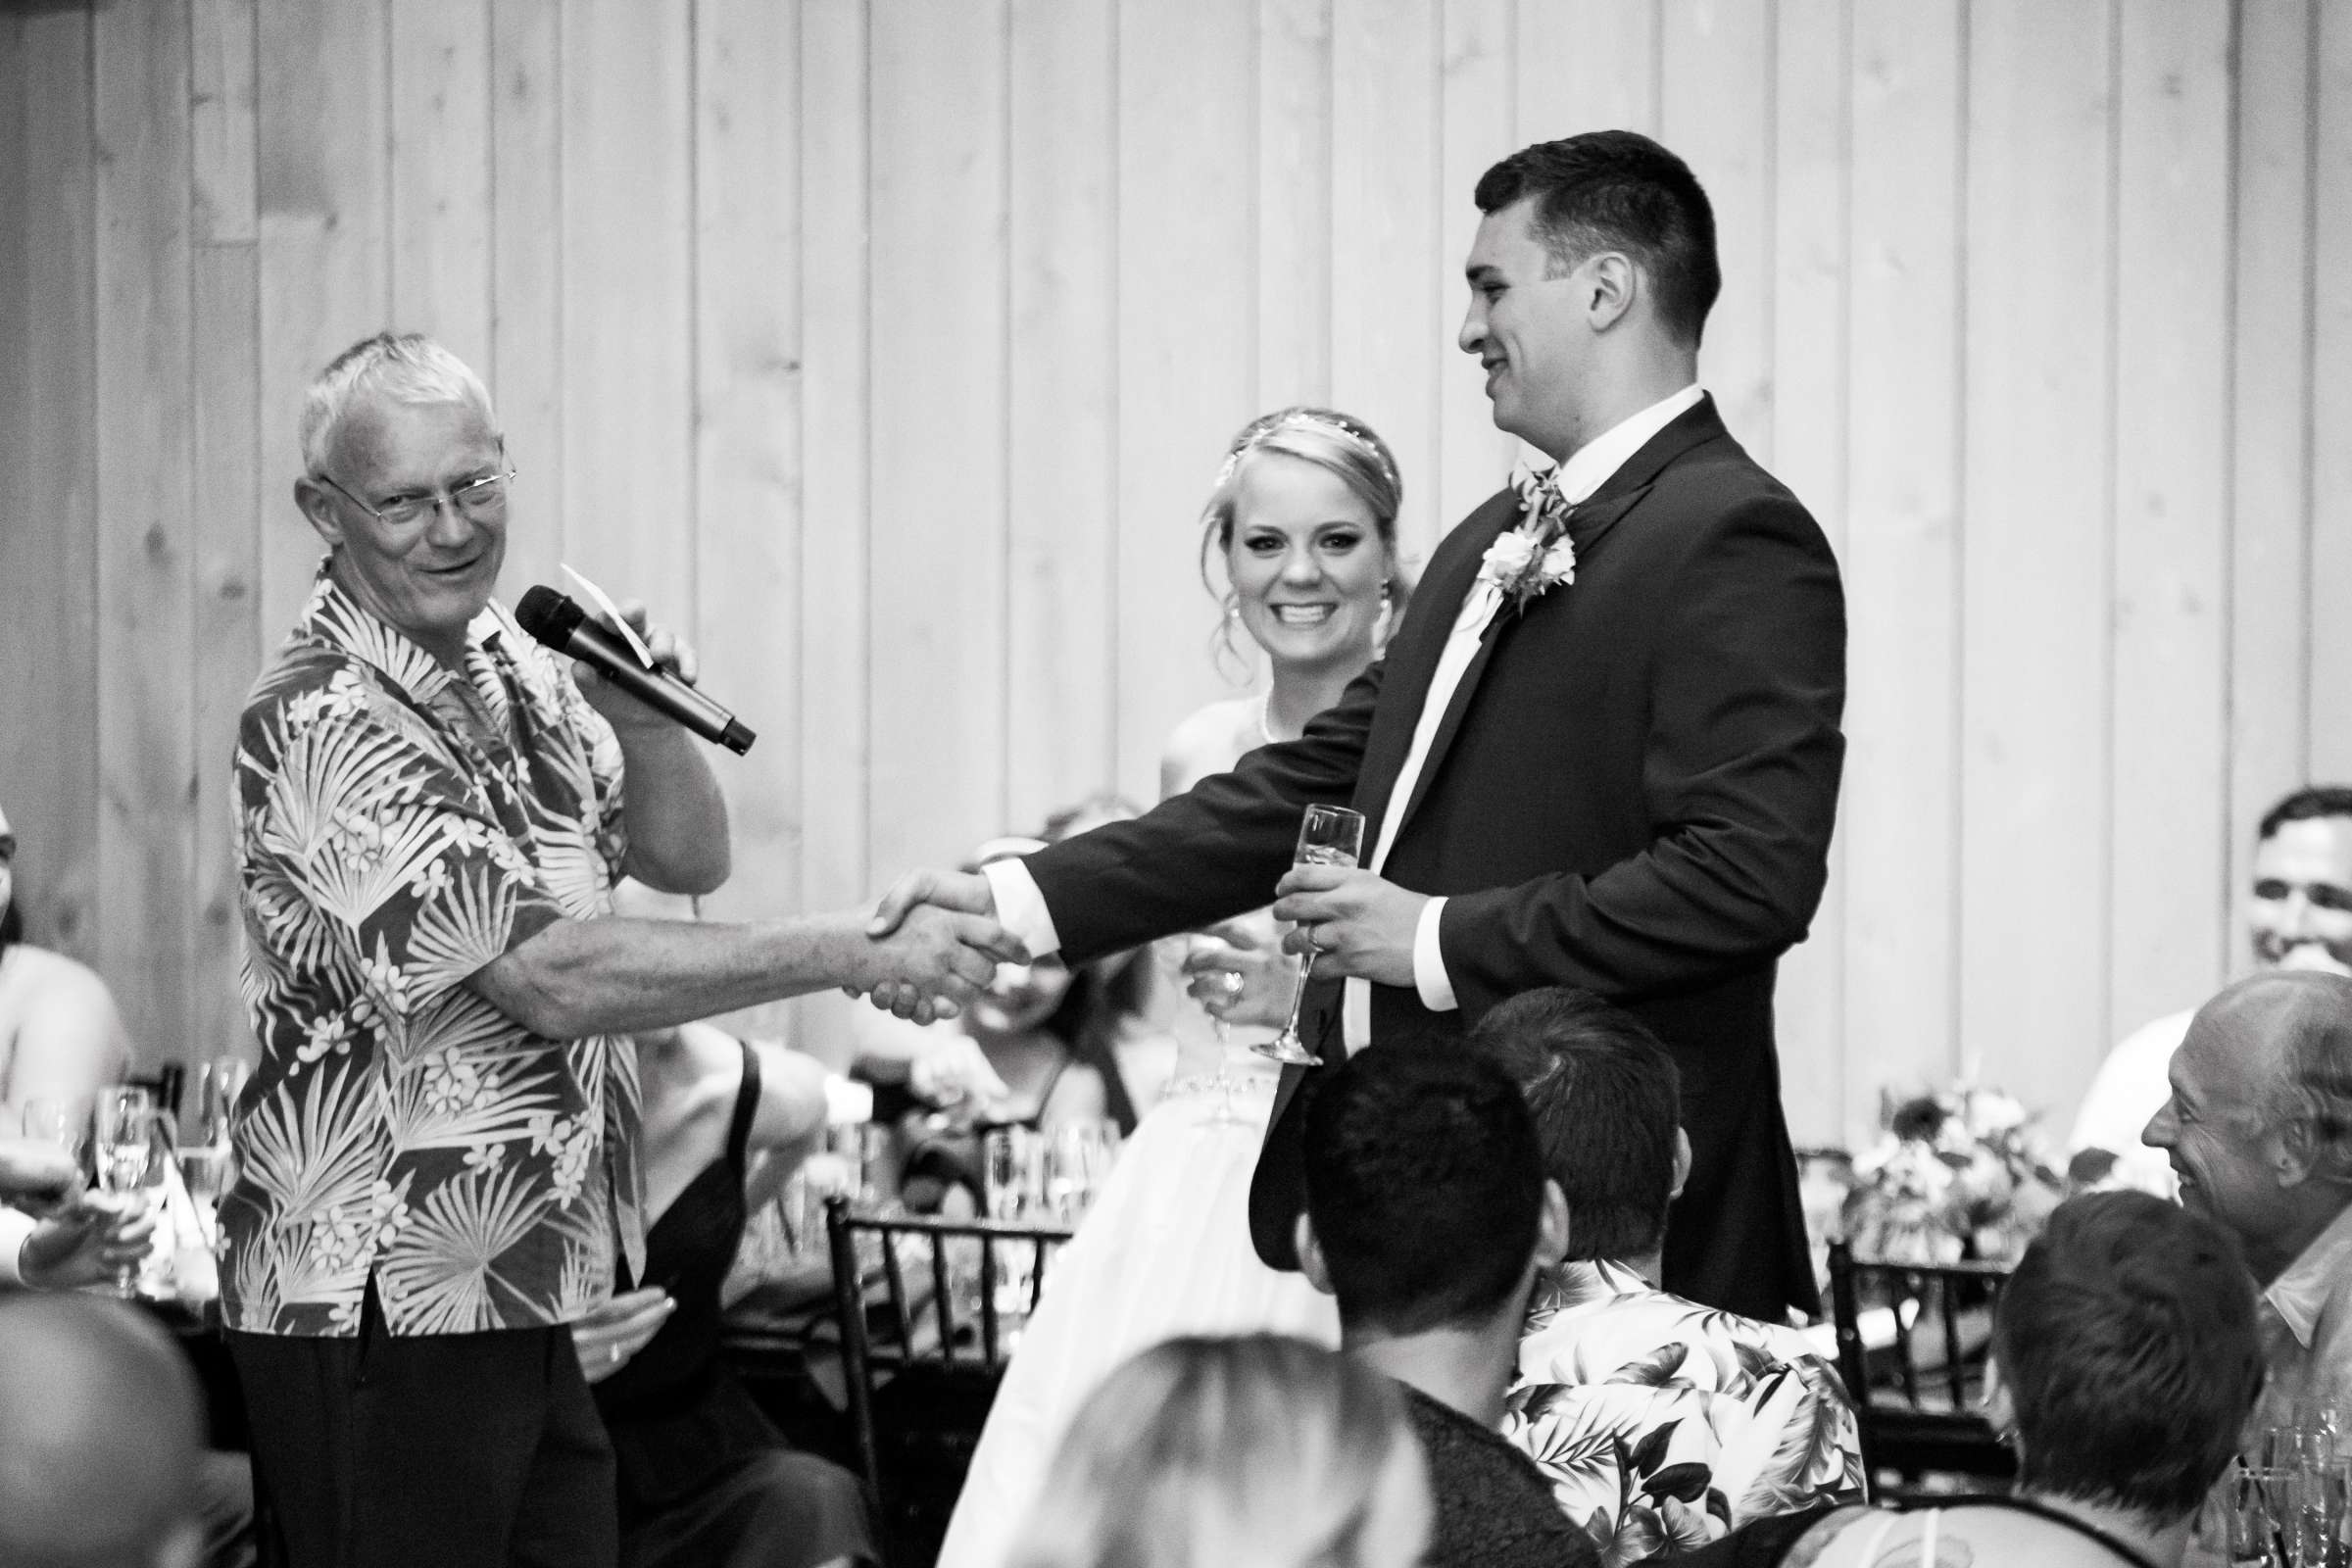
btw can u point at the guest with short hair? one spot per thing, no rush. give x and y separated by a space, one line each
2298 914
1255 1451
1428 1218
2127 1359
100 1428
2259 1131
1660 1423
438 1153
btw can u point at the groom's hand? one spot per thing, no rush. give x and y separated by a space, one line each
1357 926
925 895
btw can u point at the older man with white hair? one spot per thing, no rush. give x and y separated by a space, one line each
2259 1132
438 1151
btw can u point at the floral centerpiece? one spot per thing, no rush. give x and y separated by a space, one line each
1962 1173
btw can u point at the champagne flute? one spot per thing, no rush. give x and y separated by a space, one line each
1328 835
124 1131
205 1160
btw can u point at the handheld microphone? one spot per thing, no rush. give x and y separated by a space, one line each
555 620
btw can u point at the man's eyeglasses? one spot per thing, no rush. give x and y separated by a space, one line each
483 500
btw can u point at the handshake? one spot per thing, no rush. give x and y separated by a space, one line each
931 945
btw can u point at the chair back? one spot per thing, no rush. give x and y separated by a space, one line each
930 1311
1914 1341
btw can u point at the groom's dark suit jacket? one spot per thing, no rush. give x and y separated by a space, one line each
1632 791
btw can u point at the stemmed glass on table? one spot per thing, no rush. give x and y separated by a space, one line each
124 1125
1328 835
1228 986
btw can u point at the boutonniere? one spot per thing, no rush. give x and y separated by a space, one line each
1536 556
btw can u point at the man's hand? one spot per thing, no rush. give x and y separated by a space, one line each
36 1176
86 1242
933 960
618 1328
963 893
670 652
1357 926
1248 947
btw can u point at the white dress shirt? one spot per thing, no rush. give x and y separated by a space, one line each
1021 907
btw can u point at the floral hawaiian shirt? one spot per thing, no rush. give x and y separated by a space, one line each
398 826
1662 1424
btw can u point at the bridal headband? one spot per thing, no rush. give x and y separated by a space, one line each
1337 428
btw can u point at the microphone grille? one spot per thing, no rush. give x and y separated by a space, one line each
548 615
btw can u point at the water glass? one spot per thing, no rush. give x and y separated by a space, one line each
1012 1173
1328 835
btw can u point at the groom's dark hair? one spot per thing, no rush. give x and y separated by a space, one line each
1617 190
1607 1101
1423 1187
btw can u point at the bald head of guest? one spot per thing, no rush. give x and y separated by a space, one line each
100 1428
2259 1125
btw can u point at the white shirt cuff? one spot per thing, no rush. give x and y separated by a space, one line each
1429 961
14 1226
1020 908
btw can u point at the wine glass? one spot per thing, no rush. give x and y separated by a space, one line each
57 1122
1328 835
1227 986
124 1133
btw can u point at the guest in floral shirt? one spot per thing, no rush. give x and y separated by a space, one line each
1660 1423
438 1154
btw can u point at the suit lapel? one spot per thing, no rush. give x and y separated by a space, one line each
1412 666
1587 522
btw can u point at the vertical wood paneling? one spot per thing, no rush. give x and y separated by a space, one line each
2036 656
1717 114
628 502
1387 331
747 318
2330 679
1060 633
2270 430
835 401
2170 726
1029 264
1809 292
441 153
1477 130
937 632
48 537
525 367
146 727
229 514
1186 374
322 261
1295 150
1592 66
1899 811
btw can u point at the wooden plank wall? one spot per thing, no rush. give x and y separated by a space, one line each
889 348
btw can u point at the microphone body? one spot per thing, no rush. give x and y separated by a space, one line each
555 620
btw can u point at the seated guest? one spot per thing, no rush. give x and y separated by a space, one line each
1660 1423
1428 1218
100 1422
1258 1451
2299 916
705 1479
60 1035
1042 1045
2259 1132
2127 1360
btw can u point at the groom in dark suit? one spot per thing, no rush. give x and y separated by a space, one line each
1618 771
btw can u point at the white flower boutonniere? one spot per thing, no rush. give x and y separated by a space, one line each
1535 556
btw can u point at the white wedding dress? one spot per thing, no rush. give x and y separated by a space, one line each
1164 1251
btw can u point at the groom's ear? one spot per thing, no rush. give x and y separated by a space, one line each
1551 1229
1607 284
1310 1257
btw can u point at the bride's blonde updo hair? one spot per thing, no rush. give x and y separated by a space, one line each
1256 1452
1329 439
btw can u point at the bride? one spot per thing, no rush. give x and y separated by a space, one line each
1303 521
